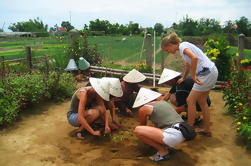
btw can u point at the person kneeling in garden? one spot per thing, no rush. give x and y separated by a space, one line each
130 87
87 106
179 92
170 130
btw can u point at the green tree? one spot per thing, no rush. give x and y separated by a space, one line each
228 27
124 30
99 25
188 26
67 25
35 25
159 28
207 26
114 28
133 28
244 26
149 30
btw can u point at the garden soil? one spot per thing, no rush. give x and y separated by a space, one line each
43 137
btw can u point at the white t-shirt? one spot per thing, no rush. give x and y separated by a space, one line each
203 60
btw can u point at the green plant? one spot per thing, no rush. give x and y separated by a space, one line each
236 93
123 135
142 67
246 63
19 91
217 51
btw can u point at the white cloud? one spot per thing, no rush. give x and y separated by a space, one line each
145 12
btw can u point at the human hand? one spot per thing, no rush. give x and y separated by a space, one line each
107 130
114 126
97 133
197 81
129 112
180 80
116 122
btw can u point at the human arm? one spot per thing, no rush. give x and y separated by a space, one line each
186 72
166 97
82 96
180 109
144 112
111 107
105 114
194 61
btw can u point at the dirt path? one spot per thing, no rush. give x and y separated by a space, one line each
43 137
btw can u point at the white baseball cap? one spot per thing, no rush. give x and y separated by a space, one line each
167 75
145 96
134 76
115 86
101 87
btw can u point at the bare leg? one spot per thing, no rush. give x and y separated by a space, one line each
191 102
205 111
90 115
151 136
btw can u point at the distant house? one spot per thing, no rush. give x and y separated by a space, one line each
62 29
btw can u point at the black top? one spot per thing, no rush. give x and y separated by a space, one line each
182 91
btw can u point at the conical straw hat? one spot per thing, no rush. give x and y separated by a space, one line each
145 96
101 87
71 65
83 64
167 75
134 76
115 86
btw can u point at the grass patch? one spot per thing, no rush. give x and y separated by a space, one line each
247 52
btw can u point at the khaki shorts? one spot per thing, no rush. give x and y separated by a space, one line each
208 81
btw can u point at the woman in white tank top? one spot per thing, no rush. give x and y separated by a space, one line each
203 72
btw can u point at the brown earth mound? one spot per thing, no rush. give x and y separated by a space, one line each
43 137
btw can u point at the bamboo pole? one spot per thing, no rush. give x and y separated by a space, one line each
124 72
3 69
119 71
153 58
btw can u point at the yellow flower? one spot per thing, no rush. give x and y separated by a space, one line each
228 47
244 118
238 129
240 104
235 106
237 54
238 123
213 58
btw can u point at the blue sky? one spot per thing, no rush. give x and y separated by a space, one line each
144 12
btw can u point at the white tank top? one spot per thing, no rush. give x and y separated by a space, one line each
203 60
